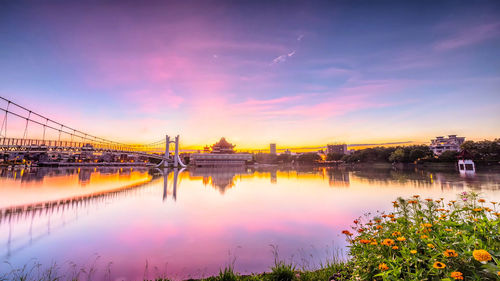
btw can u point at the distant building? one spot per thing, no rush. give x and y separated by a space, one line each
222 154
218 159
223 147
272 148
337 149
442 144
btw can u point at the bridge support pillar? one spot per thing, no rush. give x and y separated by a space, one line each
167 150
176 157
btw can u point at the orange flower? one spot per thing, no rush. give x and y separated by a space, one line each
416 196
364 241
396 233
448 229
439 265
481 200
427 225
393 219
428 199
431 246
346 232
457 275
481 255
450 253
383 267
388 242
413 251
379 226
401 239
477 209
424 236
374 243
395 247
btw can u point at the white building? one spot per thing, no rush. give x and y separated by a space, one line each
337 149
442 144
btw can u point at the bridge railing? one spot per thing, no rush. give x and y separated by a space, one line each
58 144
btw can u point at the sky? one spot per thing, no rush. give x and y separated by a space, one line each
295 73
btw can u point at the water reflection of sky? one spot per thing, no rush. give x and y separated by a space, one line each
193 222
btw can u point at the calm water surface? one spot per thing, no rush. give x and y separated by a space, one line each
134 223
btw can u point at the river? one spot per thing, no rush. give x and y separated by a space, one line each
135 223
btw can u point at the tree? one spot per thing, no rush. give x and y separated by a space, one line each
397 156
448 156
416 154
334 156
309 158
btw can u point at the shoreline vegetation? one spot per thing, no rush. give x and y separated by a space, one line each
484 152
421 239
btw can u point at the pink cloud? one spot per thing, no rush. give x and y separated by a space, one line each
469 36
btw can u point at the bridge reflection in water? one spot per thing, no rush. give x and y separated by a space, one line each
41 218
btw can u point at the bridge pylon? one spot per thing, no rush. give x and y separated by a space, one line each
174 161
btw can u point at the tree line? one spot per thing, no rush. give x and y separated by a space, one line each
481 151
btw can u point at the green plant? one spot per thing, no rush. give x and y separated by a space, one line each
429 240
227 275
281 270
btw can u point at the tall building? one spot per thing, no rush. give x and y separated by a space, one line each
272 148
442 144
336 149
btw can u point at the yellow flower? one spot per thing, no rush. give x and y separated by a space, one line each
450 253
439 265
424 236
413 251
395 247
383 267
374 243
481 255
448 229
431 246
401 239
457 275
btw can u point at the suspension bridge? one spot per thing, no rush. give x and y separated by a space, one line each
27 136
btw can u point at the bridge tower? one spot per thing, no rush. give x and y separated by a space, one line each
176 161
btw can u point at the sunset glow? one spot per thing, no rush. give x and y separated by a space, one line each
294 73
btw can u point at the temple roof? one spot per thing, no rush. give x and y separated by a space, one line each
222 143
